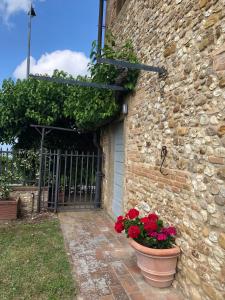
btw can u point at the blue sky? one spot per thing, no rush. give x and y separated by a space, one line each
62 33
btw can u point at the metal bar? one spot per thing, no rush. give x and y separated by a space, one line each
92 175
7 162
80 83
81 173
52 127
1 162
129 65
53 178
11 165
100 23
44 177
98 173
86 179
57 181
29 41
65 178
75 179
40 170
24 156
70 179
49 170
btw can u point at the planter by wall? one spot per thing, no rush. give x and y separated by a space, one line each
8 209
158 266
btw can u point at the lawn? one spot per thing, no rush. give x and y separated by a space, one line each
33 262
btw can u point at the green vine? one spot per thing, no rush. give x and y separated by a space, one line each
48 103
89 106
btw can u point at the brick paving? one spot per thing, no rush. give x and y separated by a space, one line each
104 265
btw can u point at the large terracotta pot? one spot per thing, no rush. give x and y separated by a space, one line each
158 266
8 209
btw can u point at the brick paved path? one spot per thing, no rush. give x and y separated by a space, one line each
104 265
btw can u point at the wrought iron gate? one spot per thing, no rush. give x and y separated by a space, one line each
69 180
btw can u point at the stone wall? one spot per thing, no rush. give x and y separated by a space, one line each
185 112
28 196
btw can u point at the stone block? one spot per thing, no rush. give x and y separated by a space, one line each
170 49
222 83
212 20
182 131
221 130
221 240
206 41
221 173
220 200
211 292
218 57
193 276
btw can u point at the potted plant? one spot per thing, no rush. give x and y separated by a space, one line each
8 205
154 246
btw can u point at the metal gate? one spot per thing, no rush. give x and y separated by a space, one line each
69 180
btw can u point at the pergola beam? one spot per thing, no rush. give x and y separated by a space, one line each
128 65
53 128
80 83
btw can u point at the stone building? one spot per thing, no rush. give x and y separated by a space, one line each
185 112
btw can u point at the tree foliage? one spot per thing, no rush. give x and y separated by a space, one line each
32 101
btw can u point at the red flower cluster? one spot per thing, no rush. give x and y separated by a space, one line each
144 228
150 222
132 213
119 226
134 231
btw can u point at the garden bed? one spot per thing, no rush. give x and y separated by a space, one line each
33 261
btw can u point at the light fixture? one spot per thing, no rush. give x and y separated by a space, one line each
125 109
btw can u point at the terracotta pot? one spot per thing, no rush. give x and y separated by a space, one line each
158 266
8 209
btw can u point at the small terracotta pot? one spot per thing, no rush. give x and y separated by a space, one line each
158 266
8 209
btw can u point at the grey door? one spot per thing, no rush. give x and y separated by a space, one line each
117 204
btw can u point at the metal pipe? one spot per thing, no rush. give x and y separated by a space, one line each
129 65
40 170
100 26
54 128
29 42
97 200
57 181
80 83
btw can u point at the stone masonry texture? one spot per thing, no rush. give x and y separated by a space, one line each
184 111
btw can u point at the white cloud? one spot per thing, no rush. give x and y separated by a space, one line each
72 62
10 7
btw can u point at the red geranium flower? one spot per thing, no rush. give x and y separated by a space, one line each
133 213
161 237
134 231
171 230
145 220
153 234
153 217
151 225
120 219
119 227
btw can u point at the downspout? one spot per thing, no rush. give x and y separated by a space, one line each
97 201
100 26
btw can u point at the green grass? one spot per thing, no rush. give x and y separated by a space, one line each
33 262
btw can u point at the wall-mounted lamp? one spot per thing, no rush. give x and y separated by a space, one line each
125 109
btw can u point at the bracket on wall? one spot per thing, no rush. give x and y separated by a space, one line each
129 65
81 83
